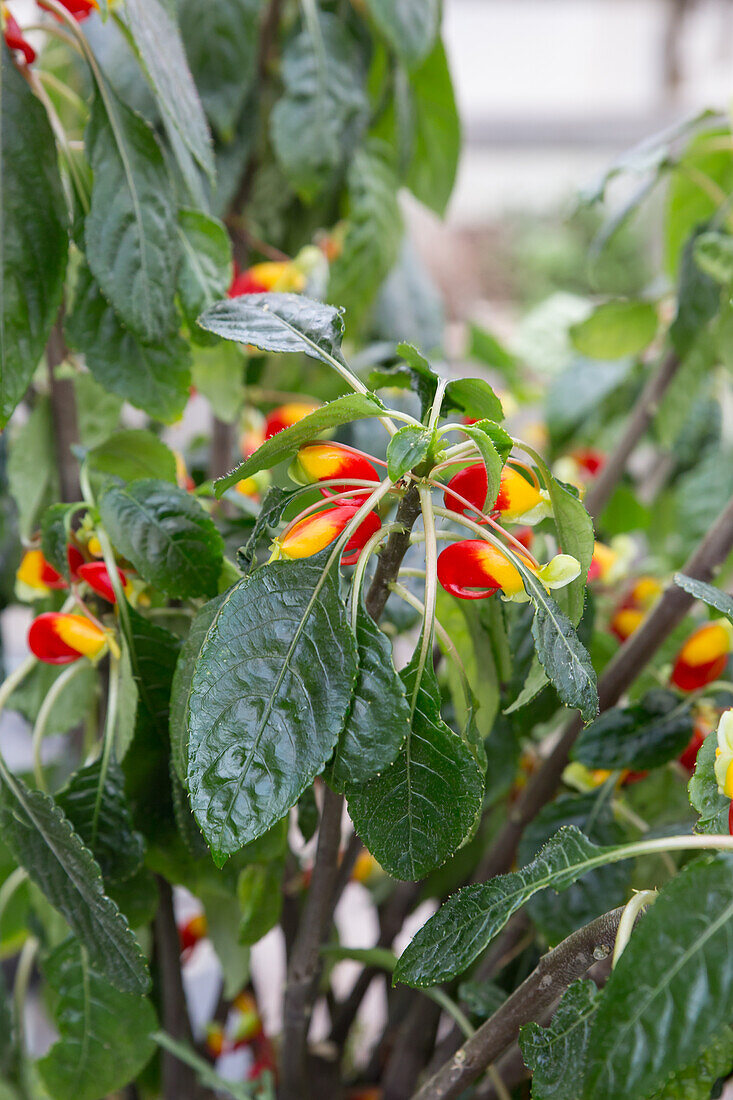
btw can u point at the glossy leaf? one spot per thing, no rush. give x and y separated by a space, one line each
167 536
481 434
408 448
640 737
616 329
43 841
561 653
104 1035
556 1054
415 814
278 322
708 593
323 74
181 687
474 397
269 695
153 375
705 797
697 1081
378 720
284 444
206 268
34 241
410 26
130 455
101 816
645 1029
168 72
132 246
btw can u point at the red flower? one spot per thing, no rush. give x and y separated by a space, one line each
589 459
325 461
14 39
703 657
96 576
80 9
314 532
245 283
473 569
516 494
193 931
284 416
60 639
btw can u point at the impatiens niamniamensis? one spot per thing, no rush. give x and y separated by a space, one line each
517 497
36 577
703 657
724 761
705 721
57 638
192 931
80 9
611 562
327 461
635 606
473 569
308 536
94 573
248 1022
284 416
14 39
255 485
264 277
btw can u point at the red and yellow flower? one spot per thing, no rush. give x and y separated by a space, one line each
473 569
14 39
366 869
281 276
313 533
517 497
703 657
36 577
80 9
193 931
59 639
94 573
635 606
284 416
326 461
248 1022
610 563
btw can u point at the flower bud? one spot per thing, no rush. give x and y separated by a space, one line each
60 639
325 461
473 570
36 577
703 657
14 39
216 1042
517 497
314 532
95 574
284 416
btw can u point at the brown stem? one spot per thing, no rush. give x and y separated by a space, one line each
305 962
636 426
63 415
554 973
636 652
222 445
413 1044
179 1079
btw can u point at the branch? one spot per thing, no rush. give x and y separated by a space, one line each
305 963
63 416
636 652
222 442
554 973
642 416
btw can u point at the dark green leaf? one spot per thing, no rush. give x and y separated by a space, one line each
323 74
408 448
167 70
713 254
705 797
708 593
132 246
259 890
482 434
379 717
465 925
672 988
269 695
698 299
307 814
410 26
415 814
615 329
165 533
43 841
640 737
556 1053
104 1034
55 528
436 143
481 998
206 269
34 239
155 376
182 684
100 814
130 455
696 1081
270 513
560 651
284 444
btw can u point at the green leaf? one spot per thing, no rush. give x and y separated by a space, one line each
222 54
55 529
97 411
259 890
104 1034
130 455
167 71
132 246
577 392
269 515
687 204
436 143
378 720
42 840
371 244
465 925
410 26
672 988
308 814
698 301
708 593
278 322
32 467
182 684
640 737
418 812
556 1053
481 998
155 376
323 74
474 397
33 241
284 444
616 329
165 533
488 349
713 254
218 375
127 696
101 816
482 434
269 696
696 1081
574 534
705 797
73 705
206 270
535 682
408 448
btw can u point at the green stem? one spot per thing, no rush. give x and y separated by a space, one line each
110 720
39 729
361 563
638 902
20 988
